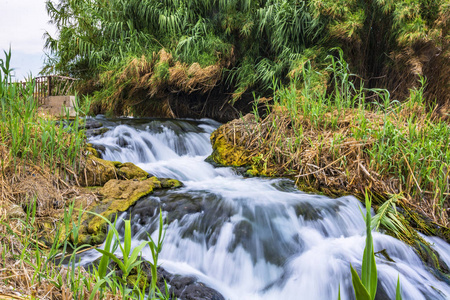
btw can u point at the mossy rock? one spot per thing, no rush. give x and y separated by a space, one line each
99 171
92 150
118 196
131 171
168 183
135 280
227 154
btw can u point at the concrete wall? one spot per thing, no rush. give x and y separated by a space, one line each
57 105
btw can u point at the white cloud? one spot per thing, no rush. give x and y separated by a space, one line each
22 25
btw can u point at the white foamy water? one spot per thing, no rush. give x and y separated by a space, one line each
254 238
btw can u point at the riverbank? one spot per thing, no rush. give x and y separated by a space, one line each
343 144
43 160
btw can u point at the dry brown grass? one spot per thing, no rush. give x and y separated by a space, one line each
19 239
330 160
146 83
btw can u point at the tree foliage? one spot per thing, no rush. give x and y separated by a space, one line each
256 42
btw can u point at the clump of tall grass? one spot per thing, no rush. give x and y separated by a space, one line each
29 138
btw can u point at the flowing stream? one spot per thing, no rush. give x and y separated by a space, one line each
254 238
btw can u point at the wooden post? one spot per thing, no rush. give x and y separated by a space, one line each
49 86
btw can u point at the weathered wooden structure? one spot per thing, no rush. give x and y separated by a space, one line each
54 94
52 85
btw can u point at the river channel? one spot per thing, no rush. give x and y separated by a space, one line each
254 238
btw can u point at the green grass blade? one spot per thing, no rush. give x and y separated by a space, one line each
361 292
369 276
96 288
398 292
127 239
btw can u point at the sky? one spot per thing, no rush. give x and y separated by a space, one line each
22 26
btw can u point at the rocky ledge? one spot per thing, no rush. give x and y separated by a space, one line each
114 197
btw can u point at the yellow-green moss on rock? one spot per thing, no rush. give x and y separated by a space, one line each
116 196
169 183
99 171
91 150
225 152
131 171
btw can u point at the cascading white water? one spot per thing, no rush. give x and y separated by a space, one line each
254 238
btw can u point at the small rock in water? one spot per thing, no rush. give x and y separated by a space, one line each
91 124
188 287
96 131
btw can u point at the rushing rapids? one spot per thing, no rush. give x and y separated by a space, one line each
254 238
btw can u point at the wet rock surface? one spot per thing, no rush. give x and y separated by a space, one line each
114 197
94 127
181 287
92 124
201 216
187 287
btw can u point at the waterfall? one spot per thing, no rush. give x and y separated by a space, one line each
255 238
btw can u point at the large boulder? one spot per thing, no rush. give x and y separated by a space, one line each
183 287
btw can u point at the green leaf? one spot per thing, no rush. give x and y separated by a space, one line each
104 261
127 240
398 292
361 292
136 251
113 257
95 289
369 276
131 266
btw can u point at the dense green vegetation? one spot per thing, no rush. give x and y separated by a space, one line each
28 138
370 79
253 43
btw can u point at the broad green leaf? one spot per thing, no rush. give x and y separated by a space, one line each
104 261
361 292
136 251
131 266
113 257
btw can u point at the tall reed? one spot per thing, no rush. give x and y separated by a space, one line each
33 139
